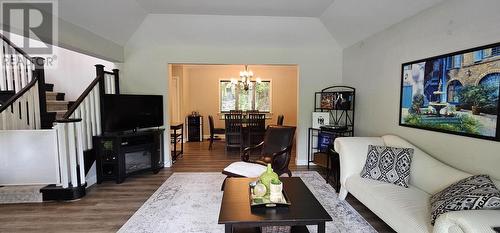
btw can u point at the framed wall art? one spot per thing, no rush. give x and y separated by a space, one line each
455 93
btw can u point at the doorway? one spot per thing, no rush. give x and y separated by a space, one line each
215 89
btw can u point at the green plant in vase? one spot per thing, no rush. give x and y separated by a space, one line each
268 176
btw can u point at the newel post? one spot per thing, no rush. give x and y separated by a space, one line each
102 89
40 74
117 81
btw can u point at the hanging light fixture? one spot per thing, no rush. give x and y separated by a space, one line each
246 79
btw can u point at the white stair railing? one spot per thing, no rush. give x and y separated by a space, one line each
16 70
23 76
90 113
70 153
88 105
23 113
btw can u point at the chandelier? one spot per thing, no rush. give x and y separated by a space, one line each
246 79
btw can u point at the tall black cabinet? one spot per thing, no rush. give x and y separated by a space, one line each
194 128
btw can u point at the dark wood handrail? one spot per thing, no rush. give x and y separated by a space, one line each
15 47
82 97
18 95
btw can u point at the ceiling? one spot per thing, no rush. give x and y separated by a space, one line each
349 21
297 8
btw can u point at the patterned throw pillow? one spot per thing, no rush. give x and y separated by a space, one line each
471 193
388 164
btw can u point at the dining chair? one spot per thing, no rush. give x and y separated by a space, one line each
234 130
214 131
256 127
280 120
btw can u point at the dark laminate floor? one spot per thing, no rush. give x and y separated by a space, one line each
108 206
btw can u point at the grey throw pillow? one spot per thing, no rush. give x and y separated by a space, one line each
471 193
388 164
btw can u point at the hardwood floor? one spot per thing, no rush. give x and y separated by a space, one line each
108 206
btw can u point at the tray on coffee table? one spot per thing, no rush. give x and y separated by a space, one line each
266 201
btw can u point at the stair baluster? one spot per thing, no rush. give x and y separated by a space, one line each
23 110
70 145
88 105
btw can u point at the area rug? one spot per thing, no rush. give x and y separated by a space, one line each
190 203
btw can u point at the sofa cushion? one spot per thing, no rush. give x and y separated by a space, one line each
425 169
472 193
404 209
388 164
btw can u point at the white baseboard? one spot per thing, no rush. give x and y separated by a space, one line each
301 162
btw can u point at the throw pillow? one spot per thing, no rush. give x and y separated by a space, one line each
388 164
471 193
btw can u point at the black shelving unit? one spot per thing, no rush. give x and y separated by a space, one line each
339 102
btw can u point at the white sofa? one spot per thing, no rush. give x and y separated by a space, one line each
408 209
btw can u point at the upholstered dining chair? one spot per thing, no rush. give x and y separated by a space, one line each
234 130
256 127
214 131
281 118
275 149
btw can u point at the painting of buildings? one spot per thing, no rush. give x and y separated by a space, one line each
456 93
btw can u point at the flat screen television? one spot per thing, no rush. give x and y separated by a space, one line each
130 112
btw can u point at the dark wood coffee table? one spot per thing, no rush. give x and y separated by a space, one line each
238 216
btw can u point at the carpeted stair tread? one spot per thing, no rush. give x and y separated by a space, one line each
56 105
53 96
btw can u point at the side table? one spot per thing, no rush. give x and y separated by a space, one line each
333 168
175 138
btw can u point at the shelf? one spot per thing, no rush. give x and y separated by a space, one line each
340 104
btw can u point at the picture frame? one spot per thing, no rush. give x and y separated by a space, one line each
327 100
455 93
320 119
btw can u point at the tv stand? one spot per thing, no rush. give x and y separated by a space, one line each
122 154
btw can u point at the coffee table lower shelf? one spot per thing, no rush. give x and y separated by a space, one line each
295 229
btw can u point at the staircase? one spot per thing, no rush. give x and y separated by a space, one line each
28 104
56 104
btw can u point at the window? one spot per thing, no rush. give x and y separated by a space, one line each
487 53
492 80
495 51
457 61
234 97
478 56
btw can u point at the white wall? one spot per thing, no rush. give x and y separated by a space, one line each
373 66
72 72
79 39
163 39
19 166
